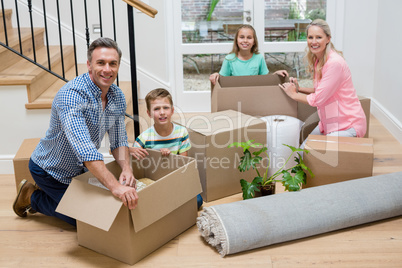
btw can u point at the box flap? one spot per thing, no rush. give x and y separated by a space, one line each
345 144
168 193
257 95
90 204
223 121
252 80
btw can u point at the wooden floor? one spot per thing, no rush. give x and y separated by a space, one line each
41 241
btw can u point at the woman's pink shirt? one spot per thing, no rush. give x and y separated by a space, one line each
335 97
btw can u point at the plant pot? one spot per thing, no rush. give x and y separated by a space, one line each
266 190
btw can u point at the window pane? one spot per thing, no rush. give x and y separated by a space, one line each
287 20
201 24
198 68
292 62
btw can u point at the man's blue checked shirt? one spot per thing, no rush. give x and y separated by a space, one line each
78 124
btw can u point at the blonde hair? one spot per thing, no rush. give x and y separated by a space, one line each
254 48
310 58
155 94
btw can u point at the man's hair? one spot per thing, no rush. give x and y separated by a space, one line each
157 93
103 42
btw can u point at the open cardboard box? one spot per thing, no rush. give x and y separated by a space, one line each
336 159
165 208
260 95
21 161
210 135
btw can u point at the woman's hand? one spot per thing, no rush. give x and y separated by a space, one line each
289 88
294 81
213 78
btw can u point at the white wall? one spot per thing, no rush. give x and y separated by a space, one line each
18 124
388 59
359 43
371 46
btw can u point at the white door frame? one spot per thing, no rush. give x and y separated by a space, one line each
200 101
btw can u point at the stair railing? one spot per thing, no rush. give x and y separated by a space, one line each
32 58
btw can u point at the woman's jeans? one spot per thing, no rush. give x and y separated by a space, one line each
48 197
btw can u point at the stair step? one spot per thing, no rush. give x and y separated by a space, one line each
7 57
7 13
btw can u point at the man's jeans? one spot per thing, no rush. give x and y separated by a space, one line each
48 197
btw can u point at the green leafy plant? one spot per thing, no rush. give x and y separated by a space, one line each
212 8
292 178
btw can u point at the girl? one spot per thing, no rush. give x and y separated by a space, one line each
338 106
244 59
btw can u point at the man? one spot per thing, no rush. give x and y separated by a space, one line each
82 112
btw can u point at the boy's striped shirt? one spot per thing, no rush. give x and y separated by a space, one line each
177 142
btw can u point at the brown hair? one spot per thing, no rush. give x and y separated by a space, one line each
235 48
310 58
155 94
103 42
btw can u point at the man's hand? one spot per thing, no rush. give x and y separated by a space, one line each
128 196
127 178
165 152
138 153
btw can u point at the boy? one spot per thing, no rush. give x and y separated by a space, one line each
164 135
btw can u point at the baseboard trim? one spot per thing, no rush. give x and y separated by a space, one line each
7 167
390 122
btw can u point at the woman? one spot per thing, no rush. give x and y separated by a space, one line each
338 106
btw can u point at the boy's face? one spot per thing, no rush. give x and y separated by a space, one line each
161 111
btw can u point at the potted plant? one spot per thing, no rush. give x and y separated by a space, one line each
293 177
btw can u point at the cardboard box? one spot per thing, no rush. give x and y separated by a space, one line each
260 96
336 159
210 136
21 161
257 95
165 209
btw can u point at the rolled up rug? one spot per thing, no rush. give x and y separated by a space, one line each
263 221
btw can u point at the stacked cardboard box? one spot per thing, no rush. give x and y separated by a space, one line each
336 159
21 160
210 136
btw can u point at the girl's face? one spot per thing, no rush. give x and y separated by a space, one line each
245 39
317 41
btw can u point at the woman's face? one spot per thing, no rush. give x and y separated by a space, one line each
317 41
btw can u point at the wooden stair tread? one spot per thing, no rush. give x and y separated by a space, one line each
25 67
13 37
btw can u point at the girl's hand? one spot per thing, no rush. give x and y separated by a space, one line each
289 88
213 78
283 73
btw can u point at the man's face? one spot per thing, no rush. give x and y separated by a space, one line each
104 67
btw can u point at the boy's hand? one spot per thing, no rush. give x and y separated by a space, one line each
165 152
138 153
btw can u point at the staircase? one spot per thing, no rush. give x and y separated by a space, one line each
41 85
